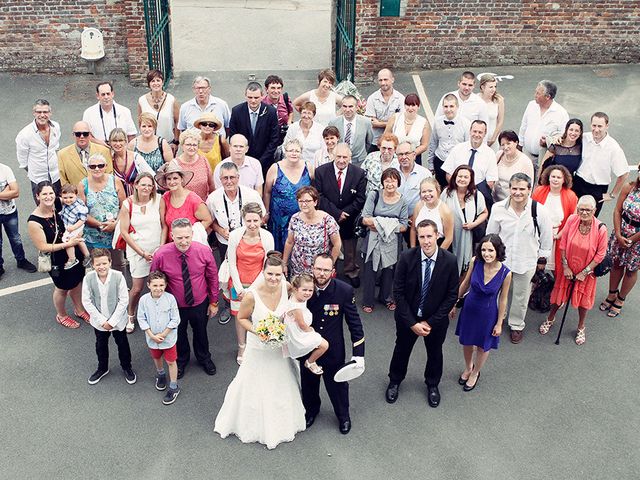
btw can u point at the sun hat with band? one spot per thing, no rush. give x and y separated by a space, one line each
208 117
169 168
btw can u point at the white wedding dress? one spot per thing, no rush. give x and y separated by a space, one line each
263 402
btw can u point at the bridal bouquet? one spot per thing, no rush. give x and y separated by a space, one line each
271 331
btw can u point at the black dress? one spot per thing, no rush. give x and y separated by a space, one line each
62 279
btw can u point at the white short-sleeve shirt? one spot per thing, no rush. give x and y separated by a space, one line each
599 160
102 125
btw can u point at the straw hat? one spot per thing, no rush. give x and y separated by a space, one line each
208 117
172 167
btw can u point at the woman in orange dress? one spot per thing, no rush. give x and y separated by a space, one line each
583 245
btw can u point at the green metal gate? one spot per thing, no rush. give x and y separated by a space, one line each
345 38
156 20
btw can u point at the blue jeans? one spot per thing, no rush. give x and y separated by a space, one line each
10 224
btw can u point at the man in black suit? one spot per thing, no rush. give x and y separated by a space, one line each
333 300
425 289
342 187
258 122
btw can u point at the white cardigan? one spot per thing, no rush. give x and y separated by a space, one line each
234 239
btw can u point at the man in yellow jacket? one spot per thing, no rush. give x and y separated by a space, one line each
72 159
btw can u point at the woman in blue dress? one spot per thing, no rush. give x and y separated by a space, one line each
284 178
480 322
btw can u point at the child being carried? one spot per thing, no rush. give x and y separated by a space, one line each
74 214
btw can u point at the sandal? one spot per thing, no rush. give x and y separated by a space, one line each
618 308
314 367
367 309
84 316
391 306
130 325
240 357
580 336
606 303
67 321
546 326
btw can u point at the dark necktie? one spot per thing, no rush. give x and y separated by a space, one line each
186 280
347 135
254 121
472 157
425 285
449 122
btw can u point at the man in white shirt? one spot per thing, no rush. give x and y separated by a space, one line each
412 174
37 145
449 130
471 106
355 130
107 115
225 204
526 231
383 103
250 168
543 119
203 102
601 155
480 157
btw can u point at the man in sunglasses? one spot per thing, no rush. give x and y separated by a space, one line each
36 147
72 160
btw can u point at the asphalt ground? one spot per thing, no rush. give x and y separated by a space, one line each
539 410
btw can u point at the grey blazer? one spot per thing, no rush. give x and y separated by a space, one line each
360 141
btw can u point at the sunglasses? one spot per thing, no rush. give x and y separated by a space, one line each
97 166
82 134
208 124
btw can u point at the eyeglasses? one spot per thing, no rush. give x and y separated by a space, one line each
304 202
292 150
97 166
81 134
208 124
585 210
229 177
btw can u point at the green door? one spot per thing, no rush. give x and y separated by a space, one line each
345 38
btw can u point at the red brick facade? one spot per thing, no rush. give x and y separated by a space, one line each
456 33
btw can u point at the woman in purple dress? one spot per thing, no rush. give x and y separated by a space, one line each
480 322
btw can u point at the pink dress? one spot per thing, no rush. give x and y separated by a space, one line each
580 251
186 210
201 169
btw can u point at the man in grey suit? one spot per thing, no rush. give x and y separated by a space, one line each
355 130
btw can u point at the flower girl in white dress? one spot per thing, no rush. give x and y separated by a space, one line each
302 338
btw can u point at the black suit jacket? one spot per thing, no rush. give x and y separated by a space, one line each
329 308
262 144
350 201
442 294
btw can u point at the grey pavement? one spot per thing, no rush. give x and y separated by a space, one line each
539 410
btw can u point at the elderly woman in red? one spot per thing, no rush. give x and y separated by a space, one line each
583 245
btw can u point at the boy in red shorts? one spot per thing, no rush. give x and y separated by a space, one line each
158 317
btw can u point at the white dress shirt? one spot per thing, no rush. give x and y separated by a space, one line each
98 313
534 125
250 173
40 159
473 108
484 167
445 137
101 126
216 205
600 159
190 111
524 245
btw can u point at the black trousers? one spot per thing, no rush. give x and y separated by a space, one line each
580 188
338 391
405 340
441 175
102 348
198 319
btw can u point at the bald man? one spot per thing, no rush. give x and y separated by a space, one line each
72 159
383 103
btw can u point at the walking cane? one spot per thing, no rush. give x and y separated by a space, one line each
566 308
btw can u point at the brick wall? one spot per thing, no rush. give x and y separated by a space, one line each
454 33
44 35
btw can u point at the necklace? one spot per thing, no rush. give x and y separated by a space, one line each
584 229
157 102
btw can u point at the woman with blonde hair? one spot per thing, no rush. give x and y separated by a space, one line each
495 107
430 207
126 164
191 161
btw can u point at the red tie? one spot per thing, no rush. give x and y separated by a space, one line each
340 180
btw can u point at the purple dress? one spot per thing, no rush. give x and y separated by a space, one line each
480 311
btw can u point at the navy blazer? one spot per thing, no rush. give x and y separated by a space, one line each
442 294
262 144
350 201
329 307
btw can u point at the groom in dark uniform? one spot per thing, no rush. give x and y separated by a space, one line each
333 300
425 288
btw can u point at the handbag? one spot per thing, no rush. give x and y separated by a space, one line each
44 258
605 265
479 232
359 229
223 272
118 242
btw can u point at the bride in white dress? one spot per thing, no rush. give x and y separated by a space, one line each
263 402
